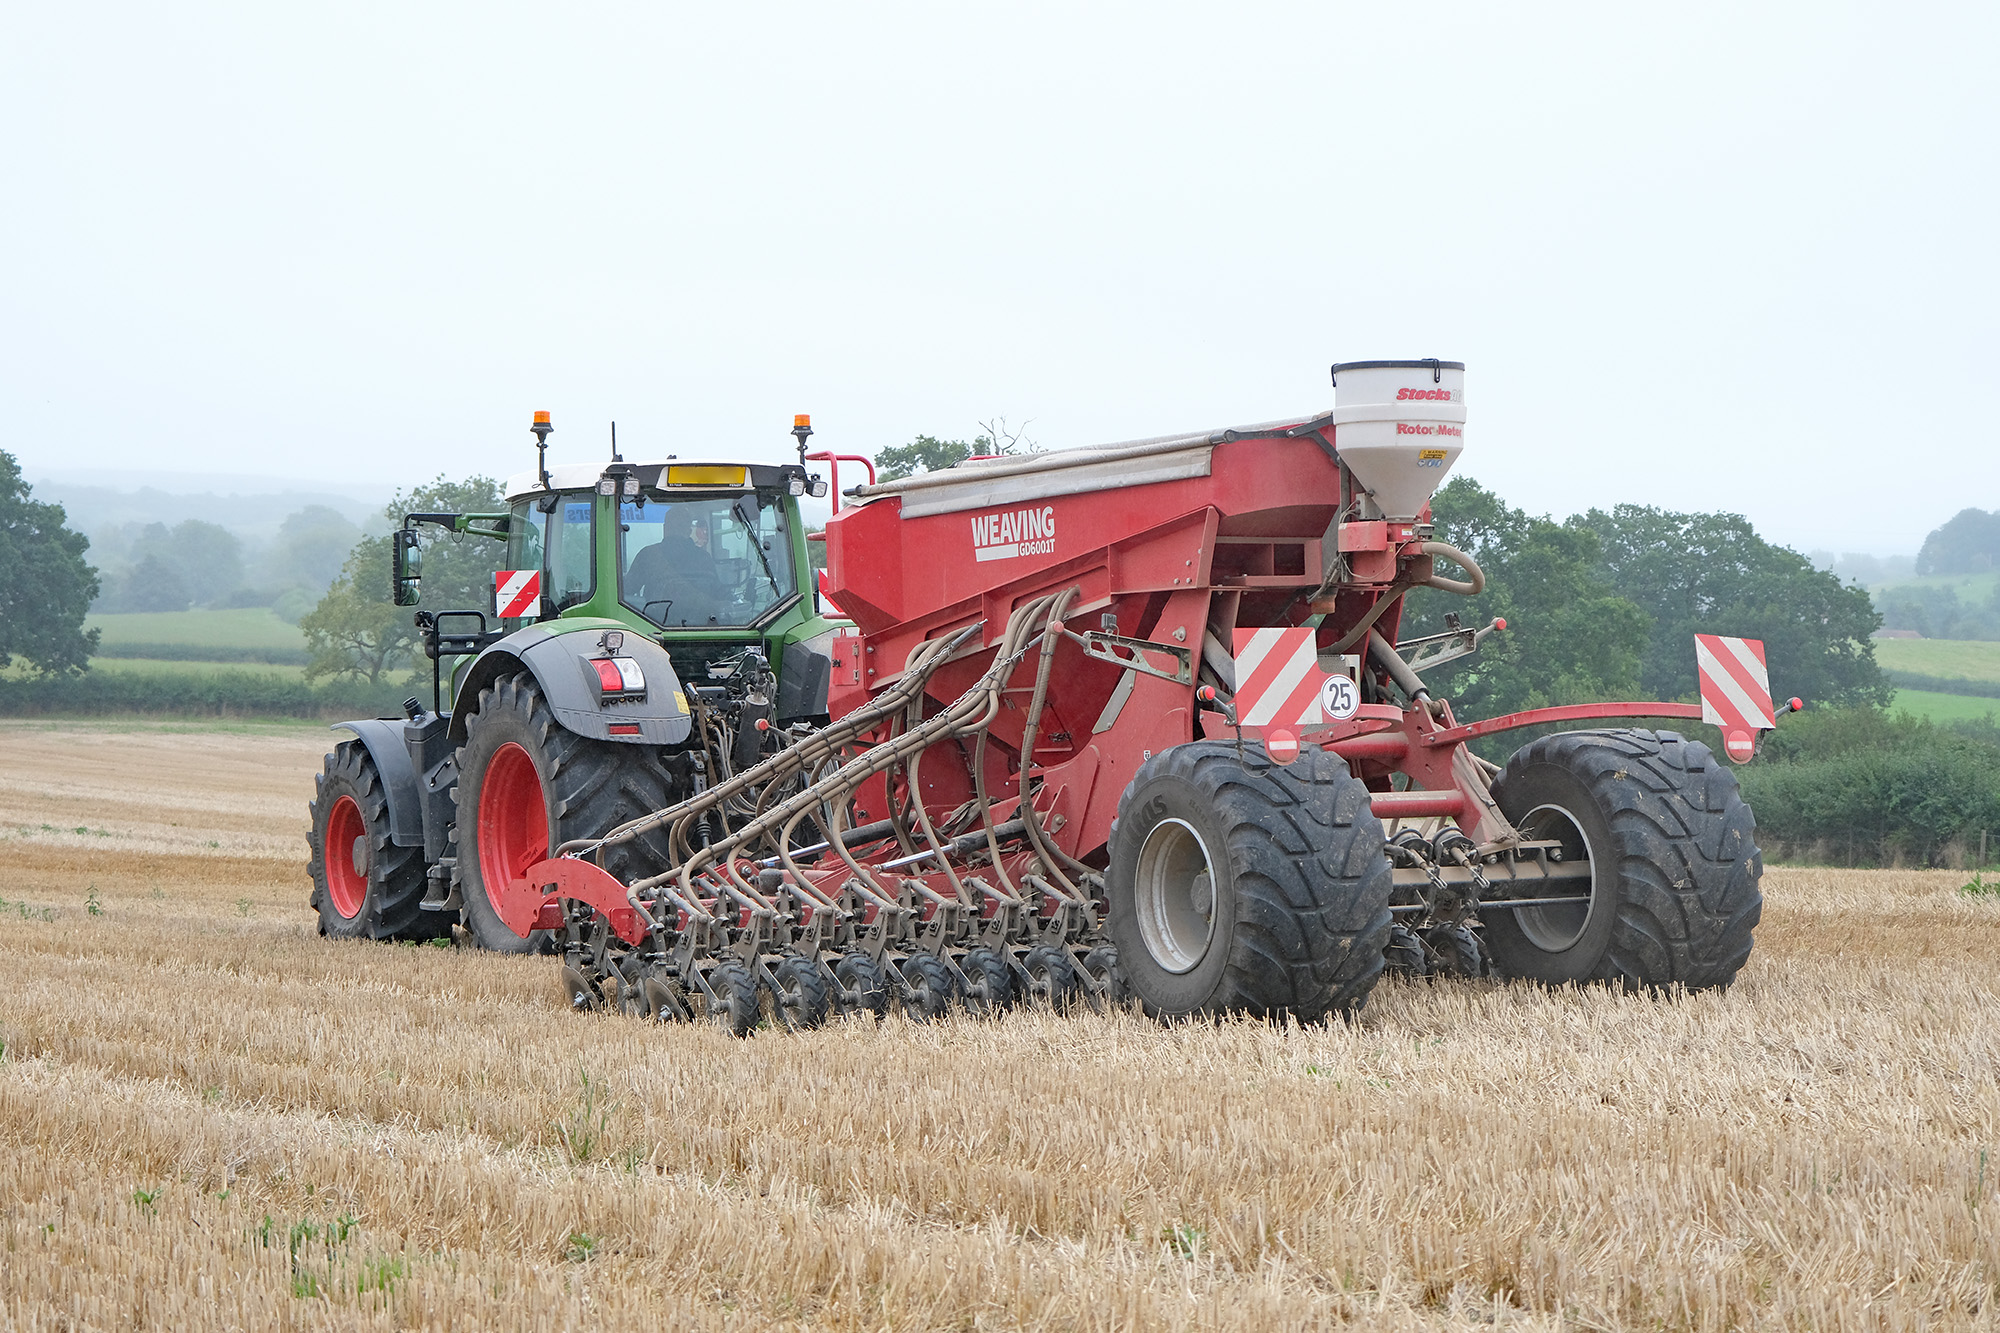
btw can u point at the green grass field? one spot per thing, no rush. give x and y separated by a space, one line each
1945 707
1970 587
147 666
246 628
1957 659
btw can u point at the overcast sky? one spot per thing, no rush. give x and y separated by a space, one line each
1706 257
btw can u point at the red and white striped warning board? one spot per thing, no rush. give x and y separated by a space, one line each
1735 691
517 592
1278 678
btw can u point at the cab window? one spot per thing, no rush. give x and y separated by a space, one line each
557 542
709 560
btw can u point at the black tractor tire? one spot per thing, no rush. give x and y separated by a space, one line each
1238 885
366 887
1674 892
513 745
799 1001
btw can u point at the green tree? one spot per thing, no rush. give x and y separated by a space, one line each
153 584
1712 574
206 559
46 586
1966 543
312 547
1570 638
357 630
927 453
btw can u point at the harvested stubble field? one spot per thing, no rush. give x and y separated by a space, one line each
214 1119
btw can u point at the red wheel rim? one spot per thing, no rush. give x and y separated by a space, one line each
346 883
513 820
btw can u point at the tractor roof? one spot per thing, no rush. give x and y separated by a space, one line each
658 474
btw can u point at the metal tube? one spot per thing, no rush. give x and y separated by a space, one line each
1392 662
1509 904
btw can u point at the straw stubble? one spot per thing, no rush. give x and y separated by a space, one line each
212 1118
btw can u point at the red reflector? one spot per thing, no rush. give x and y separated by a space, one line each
608 676
625 728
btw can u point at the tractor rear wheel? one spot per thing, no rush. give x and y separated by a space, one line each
365 886
1673 894
1240 885
526 785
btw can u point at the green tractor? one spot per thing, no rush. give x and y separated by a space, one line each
653 627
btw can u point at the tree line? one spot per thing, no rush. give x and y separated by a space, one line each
1602 605
1606 604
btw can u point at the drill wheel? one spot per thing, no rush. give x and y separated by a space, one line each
1101 965
733 1007
992 992
927 987
1051 975
856 971
798 1000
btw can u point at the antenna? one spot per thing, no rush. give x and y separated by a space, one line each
614 444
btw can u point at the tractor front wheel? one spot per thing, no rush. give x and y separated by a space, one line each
1673 892
1240 885
364 885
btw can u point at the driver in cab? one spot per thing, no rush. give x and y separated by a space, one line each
677 573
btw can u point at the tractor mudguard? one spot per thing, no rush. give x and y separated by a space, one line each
383 739
563 665
803 677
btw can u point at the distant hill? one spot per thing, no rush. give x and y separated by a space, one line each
251 507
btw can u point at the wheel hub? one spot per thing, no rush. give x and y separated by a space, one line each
1173 895
346 876
1557 927
513 820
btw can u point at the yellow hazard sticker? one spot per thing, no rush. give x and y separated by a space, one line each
1430 453
680 701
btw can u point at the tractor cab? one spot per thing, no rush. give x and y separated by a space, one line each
650 629
690 546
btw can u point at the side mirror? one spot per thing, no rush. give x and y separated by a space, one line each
407 564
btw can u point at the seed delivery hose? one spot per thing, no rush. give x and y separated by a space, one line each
1469 588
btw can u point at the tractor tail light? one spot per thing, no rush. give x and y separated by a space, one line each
617 678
